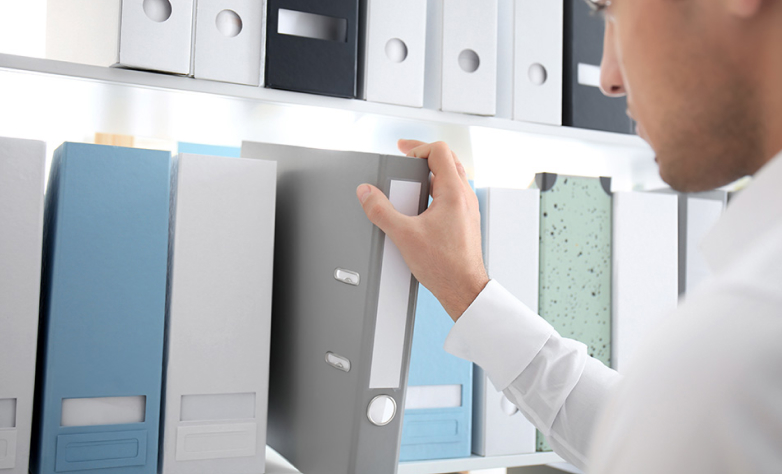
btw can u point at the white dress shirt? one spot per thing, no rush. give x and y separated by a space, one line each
704 394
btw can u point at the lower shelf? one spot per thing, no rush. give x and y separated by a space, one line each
276 464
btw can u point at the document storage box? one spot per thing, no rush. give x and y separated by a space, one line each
312 46
343 308
509 223
438 408
140 34
210 150
219 320
575 261
645 268
584 105
21 232
698 213
100 357
230 37
469 57
394 52
538 61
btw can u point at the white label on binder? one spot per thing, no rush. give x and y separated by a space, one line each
433 396
8 413
588 75
8 449
216 441
393 297
103 411
223 406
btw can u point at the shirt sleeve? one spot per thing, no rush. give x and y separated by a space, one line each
551 379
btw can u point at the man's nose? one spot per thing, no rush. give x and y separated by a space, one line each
611 81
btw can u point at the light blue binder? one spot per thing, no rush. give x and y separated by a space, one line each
209 150
436 433
103 310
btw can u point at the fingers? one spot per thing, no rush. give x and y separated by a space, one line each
379 209
440 158
424 150
405 146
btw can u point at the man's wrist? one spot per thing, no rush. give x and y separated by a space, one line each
458 303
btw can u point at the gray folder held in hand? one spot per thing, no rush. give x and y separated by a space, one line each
342 310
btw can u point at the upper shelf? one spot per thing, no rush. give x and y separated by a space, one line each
279 97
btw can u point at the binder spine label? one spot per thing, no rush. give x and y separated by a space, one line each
393 297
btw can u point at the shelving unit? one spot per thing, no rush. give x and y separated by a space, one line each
285 98
276 464
56 101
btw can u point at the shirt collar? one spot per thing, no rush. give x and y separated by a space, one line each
753 213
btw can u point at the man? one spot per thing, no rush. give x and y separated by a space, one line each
703 79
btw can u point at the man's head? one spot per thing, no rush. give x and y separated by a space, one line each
702 80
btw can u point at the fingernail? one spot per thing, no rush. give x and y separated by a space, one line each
363 192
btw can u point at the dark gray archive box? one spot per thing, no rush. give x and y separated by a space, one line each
584 105
312 46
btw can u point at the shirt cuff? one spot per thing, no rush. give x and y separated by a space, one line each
499 333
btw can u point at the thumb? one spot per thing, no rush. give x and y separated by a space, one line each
379 209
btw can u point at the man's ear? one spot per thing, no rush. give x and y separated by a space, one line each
744 8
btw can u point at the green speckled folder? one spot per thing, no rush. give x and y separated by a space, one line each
575 261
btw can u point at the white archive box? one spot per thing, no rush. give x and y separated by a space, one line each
230 39
698 214
537 61
219 319
505 52
140 34
645 268
510 219
469 56
21 240
394 51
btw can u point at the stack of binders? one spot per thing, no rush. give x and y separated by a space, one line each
21 235
344 302
103 310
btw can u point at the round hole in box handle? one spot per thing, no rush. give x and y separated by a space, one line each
469 61
157 10
396 50
537 74
229 23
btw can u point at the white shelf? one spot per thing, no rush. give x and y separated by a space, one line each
279 97
476 463
276 464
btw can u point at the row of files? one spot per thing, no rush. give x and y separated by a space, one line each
154 334
530 60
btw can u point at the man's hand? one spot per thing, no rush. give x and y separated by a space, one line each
442 246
